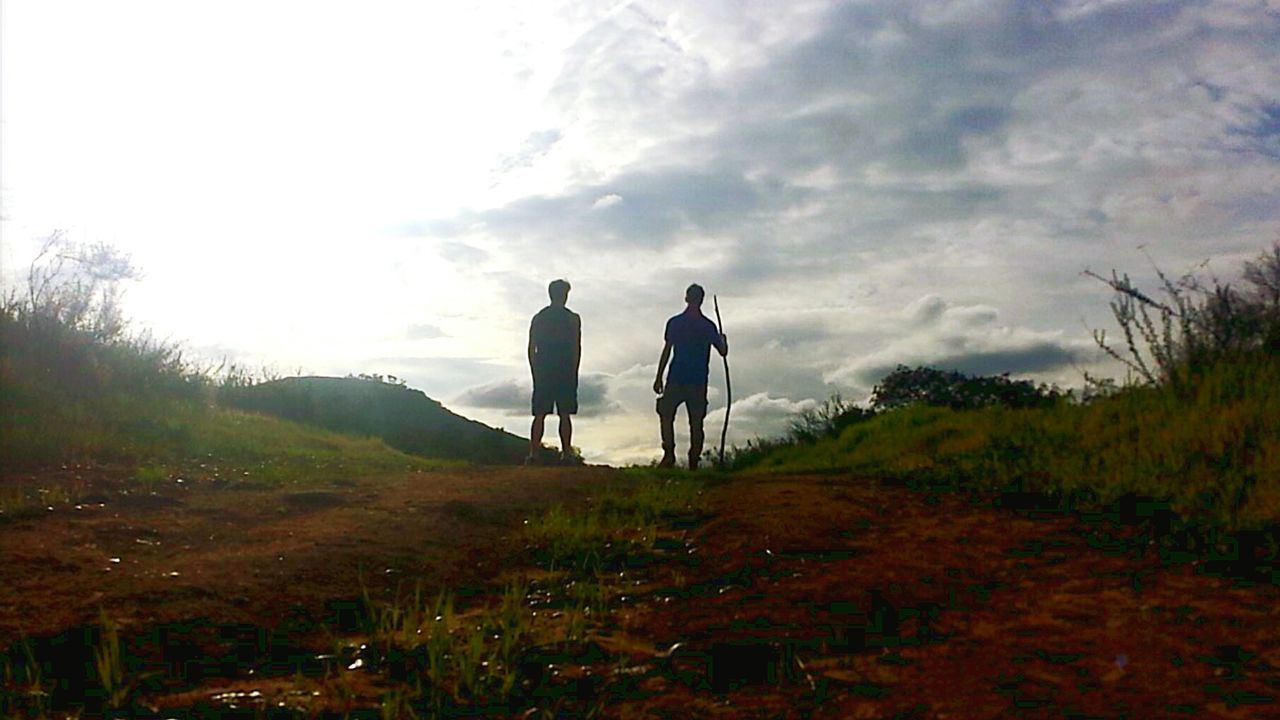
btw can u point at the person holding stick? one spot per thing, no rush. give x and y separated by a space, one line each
691 335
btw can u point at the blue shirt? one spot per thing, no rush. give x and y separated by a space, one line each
691 336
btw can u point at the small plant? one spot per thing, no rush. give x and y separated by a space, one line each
150 477
23 692
108 663
396 705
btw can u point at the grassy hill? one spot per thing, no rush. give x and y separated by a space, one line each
1210 453
404 418
78 391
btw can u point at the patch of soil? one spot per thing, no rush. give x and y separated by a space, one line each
236 556
822 598
803 596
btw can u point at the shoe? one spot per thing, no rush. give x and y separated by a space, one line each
693 463
532 460
571 459
668 460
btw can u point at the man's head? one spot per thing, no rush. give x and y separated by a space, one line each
559 291
694 295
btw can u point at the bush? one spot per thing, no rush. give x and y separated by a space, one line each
72 381
826 420
1198 323
905 386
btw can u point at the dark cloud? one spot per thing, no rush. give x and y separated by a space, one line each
650 208
507 395
513 397
1035 358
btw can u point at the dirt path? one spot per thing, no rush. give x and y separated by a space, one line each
247 556
902 604
808 596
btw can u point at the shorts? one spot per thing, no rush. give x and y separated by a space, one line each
694 398
558 395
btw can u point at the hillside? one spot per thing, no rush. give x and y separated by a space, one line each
404 418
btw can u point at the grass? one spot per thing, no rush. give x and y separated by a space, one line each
467 659
24 692
621 520
74 393
109 666
1213 452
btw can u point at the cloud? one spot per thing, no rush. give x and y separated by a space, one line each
759 415
535 146
966 339
513 397
606 200
423 331
508 395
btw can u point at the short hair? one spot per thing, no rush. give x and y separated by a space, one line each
558 289
695 294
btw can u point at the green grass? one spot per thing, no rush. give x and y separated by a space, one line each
1212 448
109 665
467 659
256 450
622 518
69 396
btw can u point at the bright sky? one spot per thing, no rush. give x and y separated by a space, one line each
388 187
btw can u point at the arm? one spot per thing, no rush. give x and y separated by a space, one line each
662 365
722 345
577 346
533 347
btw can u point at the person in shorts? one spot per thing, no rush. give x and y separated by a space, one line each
690 336
555 351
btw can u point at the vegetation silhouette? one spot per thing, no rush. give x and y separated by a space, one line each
404 418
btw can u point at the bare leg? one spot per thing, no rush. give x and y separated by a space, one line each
566 434
535 435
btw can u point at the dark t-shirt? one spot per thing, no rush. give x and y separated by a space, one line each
556 334
691 336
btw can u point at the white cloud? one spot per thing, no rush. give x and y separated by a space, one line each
606 201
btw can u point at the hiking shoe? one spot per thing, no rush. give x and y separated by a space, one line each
572 459
532 460
668 460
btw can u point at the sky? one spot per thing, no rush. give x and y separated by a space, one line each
386 187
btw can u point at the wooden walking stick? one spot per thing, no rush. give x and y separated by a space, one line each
728 387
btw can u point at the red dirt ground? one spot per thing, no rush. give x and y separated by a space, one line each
794 596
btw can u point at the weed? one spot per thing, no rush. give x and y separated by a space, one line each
108 663
23 693
396 705
150 477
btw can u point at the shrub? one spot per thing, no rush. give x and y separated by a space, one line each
940 388
826 420
72 380
1175 335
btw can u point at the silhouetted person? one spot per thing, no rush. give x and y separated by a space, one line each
555 350
692 336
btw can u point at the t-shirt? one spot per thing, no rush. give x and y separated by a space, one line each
556 333
691 336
